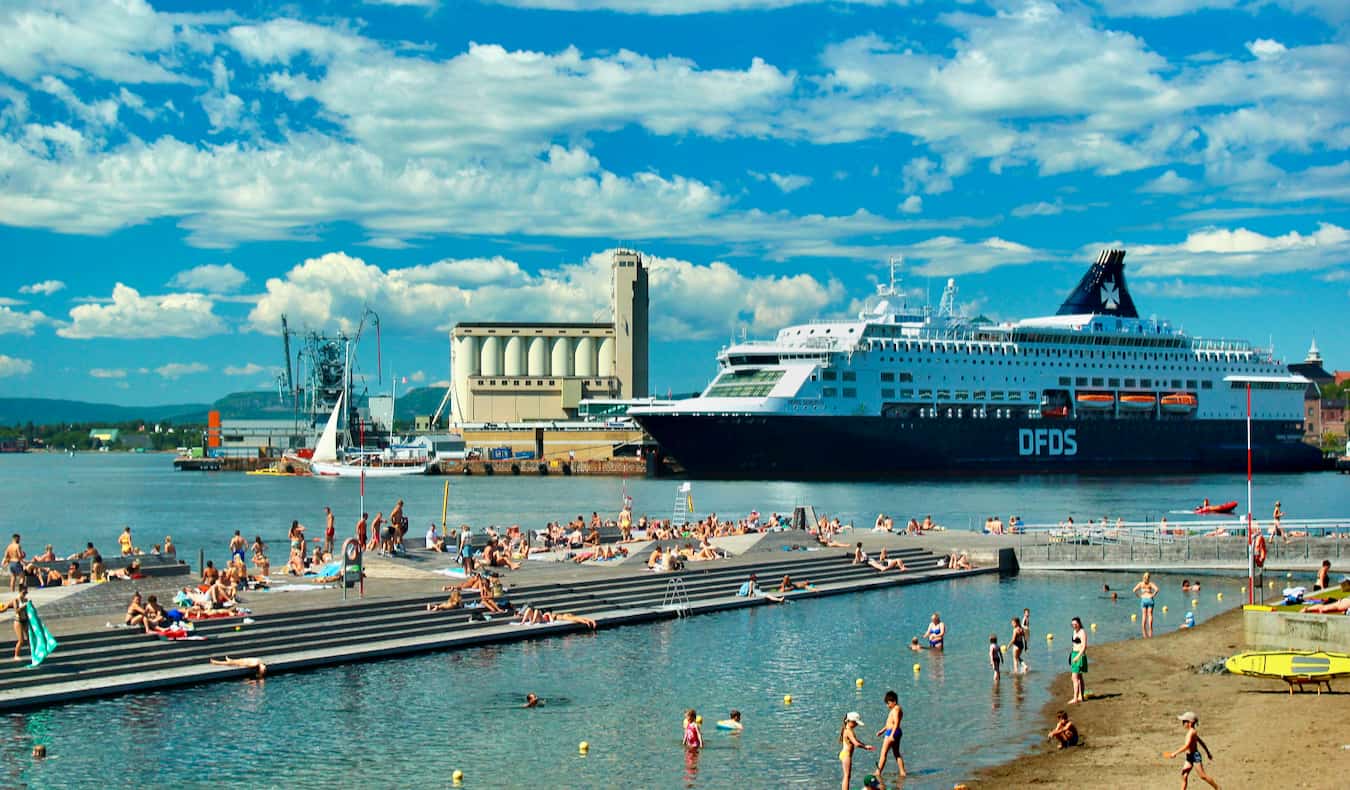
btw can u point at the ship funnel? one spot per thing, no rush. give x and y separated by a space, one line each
1102 290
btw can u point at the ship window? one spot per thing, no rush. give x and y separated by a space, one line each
906 376
1191 384
1031 396
850 392
1080 381
1205 385
828 375
962 395
1064 381
906 393
1146 382
888 393
996 396
925 394
828 392
850 376
1113 382
888 377
1096 382
944 394
1176 383
980 394
1130 383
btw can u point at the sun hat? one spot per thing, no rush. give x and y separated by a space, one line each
854 717
1189 716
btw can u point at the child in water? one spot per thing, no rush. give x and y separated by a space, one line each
995 655
693 736
731 722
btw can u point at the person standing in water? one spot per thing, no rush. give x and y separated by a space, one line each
1147 591
1019 646
848 741
995 656
1026 634
1078 663
937 632
693 736
1191 748
891 734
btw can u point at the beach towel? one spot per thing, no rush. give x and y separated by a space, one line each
454 573
329 569
40 640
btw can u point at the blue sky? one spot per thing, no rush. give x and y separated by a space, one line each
177 175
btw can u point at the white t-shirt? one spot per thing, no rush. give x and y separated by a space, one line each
431 536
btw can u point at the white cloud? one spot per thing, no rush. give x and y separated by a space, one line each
108 373
17 322
14 366
210 277
786 182
1265 48
418 376
45 287
669 7
176 370
1169 183
1039 209
248 369
1189 289
131 315
1213 252
911 205
688 299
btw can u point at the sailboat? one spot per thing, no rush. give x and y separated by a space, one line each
325 461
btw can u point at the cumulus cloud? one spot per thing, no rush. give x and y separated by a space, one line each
672 7
210 277
786 182
247 369
45 287
14 366
1169 183
911 205
1214 252
108 373
176 370
17 322
688 299
130 315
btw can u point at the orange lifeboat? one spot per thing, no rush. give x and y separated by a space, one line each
1179 403
1095 400
1138 400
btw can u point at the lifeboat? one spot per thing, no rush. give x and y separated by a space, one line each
1095 400
1138 400
1179 403
1055 412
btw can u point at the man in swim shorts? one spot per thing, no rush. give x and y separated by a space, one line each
891 734
14 557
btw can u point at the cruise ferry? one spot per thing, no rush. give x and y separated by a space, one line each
903 391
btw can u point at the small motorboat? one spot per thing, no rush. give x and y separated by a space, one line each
1226 507
278 470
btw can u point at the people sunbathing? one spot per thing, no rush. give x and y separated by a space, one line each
455 601
251 663
787 585
883 564
135 616
533 616
1331 607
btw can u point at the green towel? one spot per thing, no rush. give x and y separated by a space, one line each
40 640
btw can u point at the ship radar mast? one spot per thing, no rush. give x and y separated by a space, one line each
947 307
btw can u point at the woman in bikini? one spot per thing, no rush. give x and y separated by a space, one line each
20 607
1078 663
1147 591
848 741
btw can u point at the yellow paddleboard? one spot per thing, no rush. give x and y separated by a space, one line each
1289 663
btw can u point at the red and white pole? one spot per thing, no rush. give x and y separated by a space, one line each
1251 556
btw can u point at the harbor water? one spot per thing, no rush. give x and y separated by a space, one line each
412 722
70 500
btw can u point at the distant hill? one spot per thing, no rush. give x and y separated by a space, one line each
50 411
255 405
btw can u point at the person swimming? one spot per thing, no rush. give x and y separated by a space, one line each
532 700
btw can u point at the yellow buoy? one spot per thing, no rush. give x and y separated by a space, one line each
1244 590
787 699
1049 637
1164 610
1221 594
1134 618
457 776
916 667
698 719
1094 626
584 747
1195 602
1003 648
858 683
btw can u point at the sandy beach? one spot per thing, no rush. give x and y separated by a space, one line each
1260 735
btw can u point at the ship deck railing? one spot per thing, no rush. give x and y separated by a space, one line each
1191 540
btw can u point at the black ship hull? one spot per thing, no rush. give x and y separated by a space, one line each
767 447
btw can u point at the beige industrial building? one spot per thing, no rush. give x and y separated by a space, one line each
505 372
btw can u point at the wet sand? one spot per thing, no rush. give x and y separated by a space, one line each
1260 735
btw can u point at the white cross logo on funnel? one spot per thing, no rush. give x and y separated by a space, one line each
1110 295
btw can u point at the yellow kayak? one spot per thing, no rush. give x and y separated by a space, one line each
274 471
1290 664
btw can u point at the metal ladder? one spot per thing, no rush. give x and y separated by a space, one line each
676 597
680 513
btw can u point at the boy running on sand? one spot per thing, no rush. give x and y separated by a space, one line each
1192 748
890 736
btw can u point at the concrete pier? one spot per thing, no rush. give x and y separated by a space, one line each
304 630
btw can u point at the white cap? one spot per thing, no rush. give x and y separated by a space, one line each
1189 716
854 717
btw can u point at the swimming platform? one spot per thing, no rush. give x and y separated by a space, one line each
314 629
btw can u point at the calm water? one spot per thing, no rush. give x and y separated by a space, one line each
69 500
411 722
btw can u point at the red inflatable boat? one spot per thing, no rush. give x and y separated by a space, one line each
1226 507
